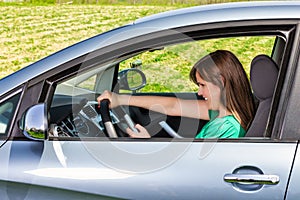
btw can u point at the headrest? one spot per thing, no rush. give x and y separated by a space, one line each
263 76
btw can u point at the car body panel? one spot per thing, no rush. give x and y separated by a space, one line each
233 12
104 168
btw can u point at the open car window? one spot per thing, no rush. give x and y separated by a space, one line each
167 69
162 71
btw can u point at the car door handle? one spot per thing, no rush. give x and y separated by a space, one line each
252 179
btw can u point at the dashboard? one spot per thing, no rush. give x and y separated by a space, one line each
78 117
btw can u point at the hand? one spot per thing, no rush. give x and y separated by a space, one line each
112 97
142 132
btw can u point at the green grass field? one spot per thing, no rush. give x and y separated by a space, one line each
29 33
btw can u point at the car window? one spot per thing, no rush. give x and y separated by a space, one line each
167 69
163 71
7 109
95 80
88 84
167 73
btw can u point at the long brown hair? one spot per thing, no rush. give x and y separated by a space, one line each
222 68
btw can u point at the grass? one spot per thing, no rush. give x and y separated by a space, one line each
117 2
29 33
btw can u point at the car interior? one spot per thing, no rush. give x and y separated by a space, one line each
74 112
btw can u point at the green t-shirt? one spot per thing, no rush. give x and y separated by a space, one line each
223 127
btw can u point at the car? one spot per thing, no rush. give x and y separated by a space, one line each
57 143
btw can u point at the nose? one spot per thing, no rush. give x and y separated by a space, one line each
200 91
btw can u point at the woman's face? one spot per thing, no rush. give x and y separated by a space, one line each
210 92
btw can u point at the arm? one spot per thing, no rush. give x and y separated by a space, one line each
167 105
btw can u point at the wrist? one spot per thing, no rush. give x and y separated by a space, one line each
121 99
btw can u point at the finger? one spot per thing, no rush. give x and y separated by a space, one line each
130 132
98 100
142 132
101 97
139 127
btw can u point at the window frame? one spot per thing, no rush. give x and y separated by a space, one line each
16 93
129 48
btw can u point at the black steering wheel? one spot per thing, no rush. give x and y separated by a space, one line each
107 121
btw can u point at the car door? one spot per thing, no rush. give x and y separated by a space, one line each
171 169
164 167
78 159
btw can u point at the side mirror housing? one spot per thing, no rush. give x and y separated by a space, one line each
34 122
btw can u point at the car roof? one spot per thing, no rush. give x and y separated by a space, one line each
228 12
166 20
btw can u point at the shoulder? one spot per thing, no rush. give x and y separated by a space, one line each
225 127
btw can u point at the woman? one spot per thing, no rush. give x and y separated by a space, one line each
223 84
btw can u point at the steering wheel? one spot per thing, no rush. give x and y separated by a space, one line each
104 111
106 119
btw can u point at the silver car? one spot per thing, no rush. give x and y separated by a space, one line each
55 142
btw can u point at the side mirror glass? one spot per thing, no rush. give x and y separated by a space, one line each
131 79
34 122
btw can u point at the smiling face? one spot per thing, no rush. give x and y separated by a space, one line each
210 92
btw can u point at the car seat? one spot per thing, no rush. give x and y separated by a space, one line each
263 78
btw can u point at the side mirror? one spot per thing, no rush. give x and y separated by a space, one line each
131 79
34 123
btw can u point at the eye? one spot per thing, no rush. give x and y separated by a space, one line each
201 84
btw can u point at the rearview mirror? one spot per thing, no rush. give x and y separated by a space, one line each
131 79
34 122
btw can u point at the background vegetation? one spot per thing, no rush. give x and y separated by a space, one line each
30 31
122 2
167 70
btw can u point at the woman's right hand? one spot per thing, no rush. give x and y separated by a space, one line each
142 132
112 97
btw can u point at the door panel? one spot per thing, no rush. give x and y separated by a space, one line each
17 157
148 169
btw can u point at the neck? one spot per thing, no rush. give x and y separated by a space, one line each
223 112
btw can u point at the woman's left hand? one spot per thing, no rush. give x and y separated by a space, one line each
112 97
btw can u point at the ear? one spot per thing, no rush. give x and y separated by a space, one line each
223 80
